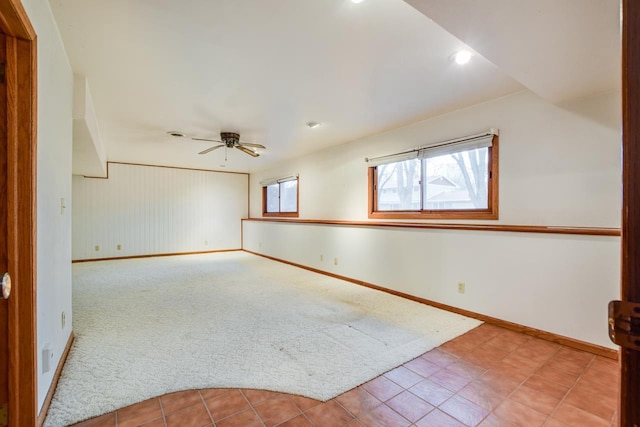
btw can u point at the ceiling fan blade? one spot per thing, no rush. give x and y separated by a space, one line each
246 150
205 139
247 144
208 150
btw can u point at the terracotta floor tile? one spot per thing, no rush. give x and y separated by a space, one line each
610 389
404 377
210 393
604 365
358 401
106 420
355 423
410 406
299 421
246 418
531 352
522 362
139 413
464 411
191 416
488 330
257 396
329 414
520 414
303 403
158 422
582 357
547 386
181 399
449 380
573 416
466 369
569 366
511 372
439 357
422 367
597 404
597 376
382 388
532 398
383 416
277 410
493 421
555 423
437 418
458 349
431 392
499 383
557 375
486 357
227 404
502 342
482 396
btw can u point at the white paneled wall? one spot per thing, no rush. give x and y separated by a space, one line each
156 210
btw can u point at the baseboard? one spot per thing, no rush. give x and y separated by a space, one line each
154 255
548 336
54 382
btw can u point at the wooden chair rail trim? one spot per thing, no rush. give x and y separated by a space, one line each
153 255
54 382
159 166
590 231
547 336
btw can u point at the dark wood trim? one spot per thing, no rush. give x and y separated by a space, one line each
54 382
160 166
154 255
548 336
14 20
630 268
491 213
588 231
21 127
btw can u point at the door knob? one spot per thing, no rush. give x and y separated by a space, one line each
5 286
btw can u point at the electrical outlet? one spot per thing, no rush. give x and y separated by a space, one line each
260 244
63 319
97 248
119 247
461 287
321 257
335 261
206 242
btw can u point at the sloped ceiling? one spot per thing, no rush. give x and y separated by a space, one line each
559 49
264 68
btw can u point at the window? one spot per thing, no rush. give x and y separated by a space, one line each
280 197
453 180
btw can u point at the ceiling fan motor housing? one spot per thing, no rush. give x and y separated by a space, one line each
230 139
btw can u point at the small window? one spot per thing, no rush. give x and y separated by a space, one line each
455 180
280 197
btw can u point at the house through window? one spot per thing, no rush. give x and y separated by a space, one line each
457 179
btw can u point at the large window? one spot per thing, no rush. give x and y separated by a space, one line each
453 180
280 197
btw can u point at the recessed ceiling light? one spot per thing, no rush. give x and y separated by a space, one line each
357 1
462 57
176 134
313 125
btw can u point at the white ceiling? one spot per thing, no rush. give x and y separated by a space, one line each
264 68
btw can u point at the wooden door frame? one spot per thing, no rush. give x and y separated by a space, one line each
630 273
21 86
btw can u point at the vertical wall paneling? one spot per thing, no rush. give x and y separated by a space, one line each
155 210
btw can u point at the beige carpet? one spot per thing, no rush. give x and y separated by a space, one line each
146 327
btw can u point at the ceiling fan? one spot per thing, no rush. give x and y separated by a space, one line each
231 140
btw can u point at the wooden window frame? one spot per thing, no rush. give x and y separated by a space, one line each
492 197
281 214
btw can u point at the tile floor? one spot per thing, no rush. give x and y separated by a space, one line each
489 377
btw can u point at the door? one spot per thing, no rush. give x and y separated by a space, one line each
18 371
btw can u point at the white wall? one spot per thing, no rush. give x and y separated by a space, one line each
157 210
559 166
55 106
